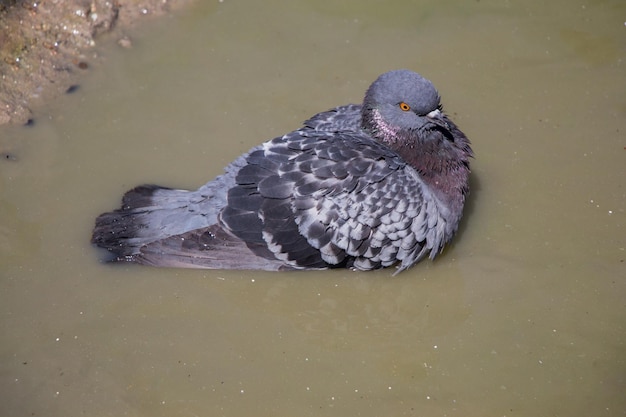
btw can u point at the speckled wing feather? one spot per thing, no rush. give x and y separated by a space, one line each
320 200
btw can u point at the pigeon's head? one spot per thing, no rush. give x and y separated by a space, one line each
402 93
400 100
402 110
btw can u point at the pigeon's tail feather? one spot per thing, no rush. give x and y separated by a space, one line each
163 227
149 213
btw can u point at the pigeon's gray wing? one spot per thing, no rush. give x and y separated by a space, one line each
343 118
327 200
208 248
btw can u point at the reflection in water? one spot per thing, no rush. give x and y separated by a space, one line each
522 315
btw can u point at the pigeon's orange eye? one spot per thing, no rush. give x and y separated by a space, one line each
404 106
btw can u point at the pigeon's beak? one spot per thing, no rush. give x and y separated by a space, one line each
435 114
438 119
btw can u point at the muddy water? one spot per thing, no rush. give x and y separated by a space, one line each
523 315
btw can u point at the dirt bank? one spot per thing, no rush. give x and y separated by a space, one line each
44 44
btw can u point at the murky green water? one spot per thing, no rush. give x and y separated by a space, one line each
523 316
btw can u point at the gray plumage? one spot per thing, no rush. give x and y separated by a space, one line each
359 186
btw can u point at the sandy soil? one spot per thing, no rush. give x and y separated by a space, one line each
44 44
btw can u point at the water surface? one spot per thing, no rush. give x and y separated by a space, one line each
522 316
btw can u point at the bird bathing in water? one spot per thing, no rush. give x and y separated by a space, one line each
359 186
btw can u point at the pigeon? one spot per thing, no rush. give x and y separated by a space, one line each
360 186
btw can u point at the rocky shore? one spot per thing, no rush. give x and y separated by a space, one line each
44 45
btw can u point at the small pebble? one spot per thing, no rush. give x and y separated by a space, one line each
125 42
72 89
